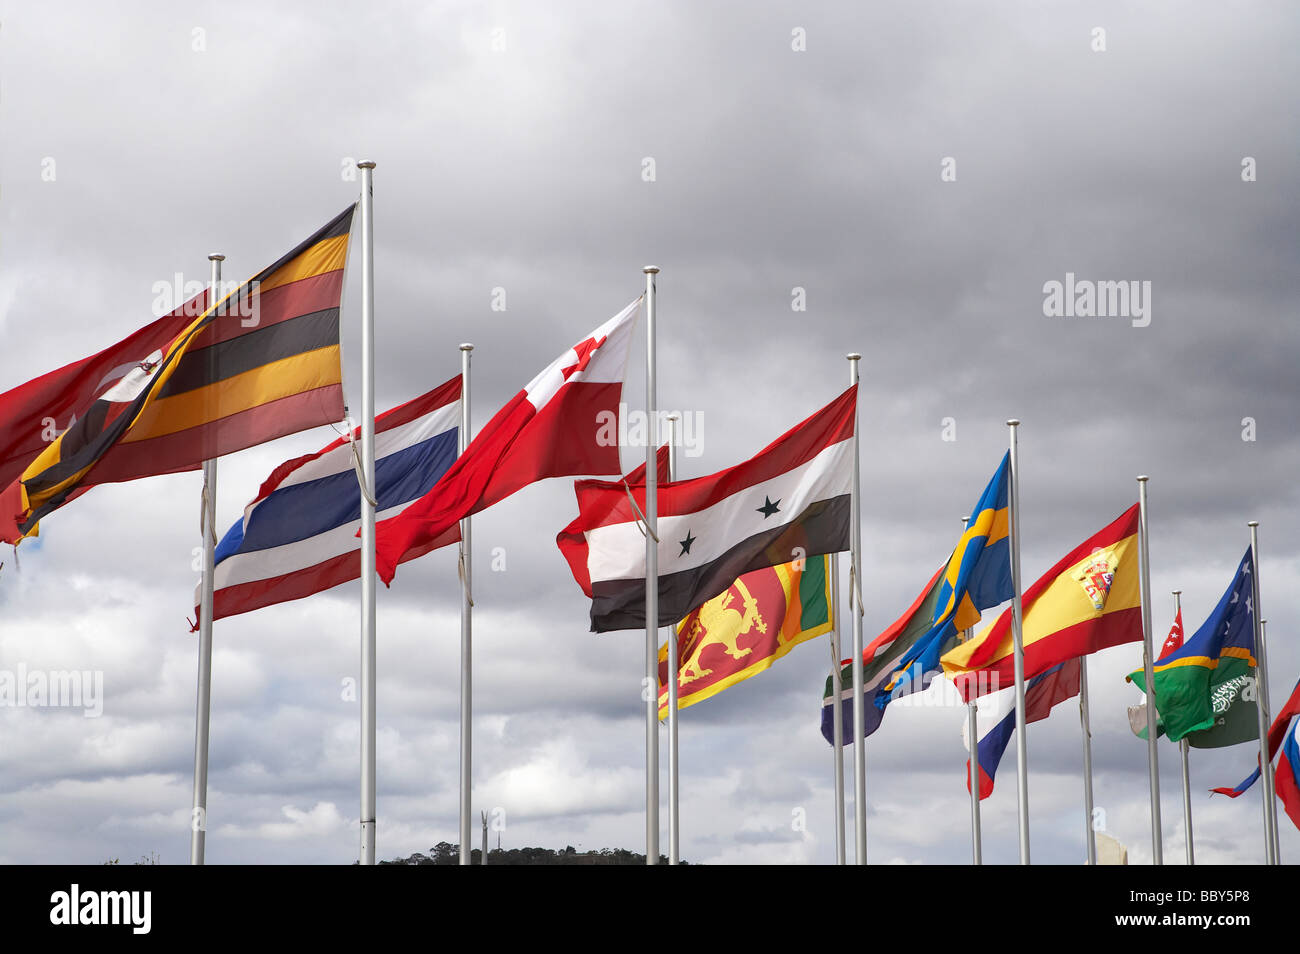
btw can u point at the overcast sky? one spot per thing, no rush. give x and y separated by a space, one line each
511 142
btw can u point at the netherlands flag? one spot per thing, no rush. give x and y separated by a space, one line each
995 717
299 535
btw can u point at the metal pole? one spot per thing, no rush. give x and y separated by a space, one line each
1017 634
1090 835
203 703
1263 642
483 852
368 654
1183 750
837 688
1153 762
466 626
651 587
1261 701
855 610
674 832
972 741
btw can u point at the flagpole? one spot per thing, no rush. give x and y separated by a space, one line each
368 654
837 731
651 586
1017 635
674 832
1261 701
1153 759
203 703
1277 848
972 744
855 610
466 627
1183 751
1090 835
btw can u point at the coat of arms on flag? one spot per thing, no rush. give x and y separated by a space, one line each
1097 575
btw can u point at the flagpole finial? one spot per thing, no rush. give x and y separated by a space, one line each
853 356
1013 422
1143 478
216 257
1177 592
366 164
466 346
1252 523
651 269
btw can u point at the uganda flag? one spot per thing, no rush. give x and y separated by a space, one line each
261 363
1087 602
757 620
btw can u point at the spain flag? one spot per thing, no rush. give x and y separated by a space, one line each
744 630
256 365
1089 601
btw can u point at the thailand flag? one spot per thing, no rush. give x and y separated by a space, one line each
299 535
995 718
563 423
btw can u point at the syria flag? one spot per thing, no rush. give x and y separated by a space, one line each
563 424
791 500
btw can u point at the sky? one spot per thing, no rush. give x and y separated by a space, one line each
916 174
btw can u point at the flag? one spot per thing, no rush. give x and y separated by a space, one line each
1286 782
570 539
261 363
1088 601
977 577
791 500
564 422
879 659
1235 719
744 630
995 716
1221 651
298 535
33 414
1276 735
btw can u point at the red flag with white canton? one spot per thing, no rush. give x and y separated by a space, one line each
1174 641
563 424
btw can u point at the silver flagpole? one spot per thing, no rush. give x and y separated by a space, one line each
1183 748
837 688
203 704
1263 641
1085 722
972 742
855 610
368 655
651 586
1017 635
466 627
674 832
1261 701
1153 759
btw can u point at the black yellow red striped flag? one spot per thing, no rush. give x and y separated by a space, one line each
262 362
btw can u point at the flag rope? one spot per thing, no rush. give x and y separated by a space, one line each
641 522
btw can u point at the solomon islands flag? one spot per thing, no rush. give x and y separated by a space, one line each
298 536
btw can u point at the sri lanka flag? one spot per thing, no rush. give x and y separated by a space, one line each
1222 651
791 500
739 633
298 536
996 716
261 363
563 423
978 576
1088 601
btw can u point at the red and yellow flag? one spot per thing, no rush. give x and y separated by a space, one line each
741 632
1088 601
